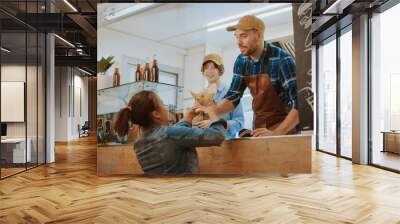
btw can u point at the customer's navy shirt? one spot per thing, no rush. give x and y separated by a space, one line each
171 149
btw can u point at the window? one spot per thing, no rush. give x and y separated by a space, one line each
22 65
385 89
346 93
169 97
326 105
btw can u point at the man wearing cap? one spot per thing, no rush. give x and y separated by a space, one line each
212 69
269 73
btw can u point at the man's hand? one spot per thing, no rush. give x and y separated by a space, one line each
203 124
262 132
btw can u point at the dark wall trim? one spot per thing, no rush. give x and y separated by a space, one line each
369 78
339 24
338 74
317 97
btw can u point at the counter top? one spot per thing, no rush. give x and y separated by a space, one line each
263 138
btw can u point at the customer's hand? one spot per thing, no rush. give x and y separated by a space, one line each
203 124
262 132
189 114
211 111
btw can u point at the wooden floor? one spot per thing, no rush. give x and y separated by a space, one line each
70 192
5 172
387 159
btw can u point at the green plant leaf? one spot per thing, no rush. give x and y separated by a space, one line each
104 64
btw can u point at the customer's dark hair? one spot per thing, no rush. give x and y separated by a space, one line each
138 111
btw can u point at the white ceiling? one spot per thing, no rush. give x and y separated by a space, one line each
184 25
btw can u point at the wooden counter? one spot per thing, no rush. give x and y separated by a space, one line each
278 154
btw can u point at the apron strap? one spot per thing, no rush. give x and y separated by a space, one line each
246 65
266 59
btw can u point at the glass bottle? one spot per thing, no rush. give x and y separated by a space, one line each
137 73
147 71
116 77
155 70
142 75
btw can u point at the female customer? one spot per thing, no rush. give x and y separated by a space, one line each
163 149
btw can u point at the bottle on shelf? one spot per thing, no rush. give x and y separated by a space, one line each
147 71
138 73
154 70
142 75
116 77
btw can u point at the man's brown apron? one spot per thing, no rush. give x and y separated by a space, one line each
269 110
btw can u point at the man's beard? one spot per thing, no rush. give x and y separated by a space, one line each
250 51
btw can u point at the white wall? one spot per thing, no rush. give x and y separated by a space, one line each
193 78
120 45
67 115
61 103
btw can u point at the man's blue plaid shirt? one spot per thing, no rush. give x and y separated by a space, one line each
282 72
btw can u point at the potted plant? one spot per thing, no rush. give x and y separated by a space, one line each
104 64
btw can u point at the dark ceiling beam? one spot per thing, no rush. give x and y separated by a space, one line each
9 15
49 22
91 5
62 6
57 22
65 51
76 61
89 70
84 24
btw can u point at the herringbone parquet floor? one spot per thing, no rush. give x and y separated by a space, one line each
70 192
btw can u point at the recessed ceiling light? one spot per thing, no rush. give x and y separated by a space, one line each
5 50
129 11
64 40
86 72
70 5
